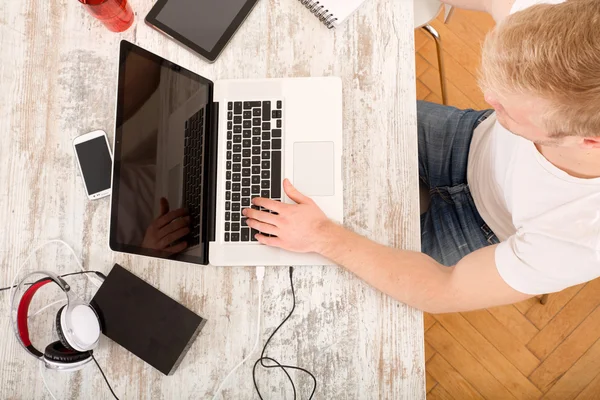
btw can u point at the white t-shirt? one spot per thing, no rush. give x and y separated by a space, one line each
547 220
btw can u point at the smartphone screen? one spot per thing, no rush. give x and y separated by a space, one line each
96 164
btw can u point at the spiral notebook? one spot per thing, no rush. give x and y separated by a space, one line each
332 12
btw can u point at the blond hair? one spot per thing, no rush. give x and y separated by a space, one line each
552 52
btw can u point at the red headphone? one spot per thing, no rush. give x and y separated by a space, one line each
77 326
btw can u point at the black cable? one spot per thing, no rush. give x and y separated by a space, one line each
277 363
98 273
104 376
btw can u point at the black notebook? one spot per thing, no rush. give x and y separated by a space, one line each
145 321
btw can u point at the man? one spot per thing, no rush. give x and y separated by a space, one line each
515 207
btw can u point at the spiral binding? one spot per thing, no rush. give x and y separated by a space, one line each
320 12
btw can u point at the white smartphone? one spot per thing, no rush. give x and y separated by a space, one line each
95 163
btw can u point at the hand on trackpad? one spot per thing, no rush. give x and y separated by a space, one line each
314 168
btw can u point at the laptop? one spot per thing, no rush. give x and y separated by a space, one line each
190 154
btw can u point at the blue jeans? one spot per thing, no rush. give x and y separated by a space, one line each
452 227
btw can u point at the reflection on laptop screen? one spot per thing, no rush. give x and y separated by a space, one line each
159 169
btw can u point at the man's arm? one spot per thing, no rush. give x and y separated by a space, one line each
499 9
413 278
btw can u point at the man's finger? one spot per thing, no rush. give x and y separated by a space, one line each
269 204
294 194
170 216
164 206
173 226
263 227
173 237
260 216
269 241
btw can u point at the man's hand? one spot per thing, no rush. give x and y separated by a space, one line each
167 229
297 227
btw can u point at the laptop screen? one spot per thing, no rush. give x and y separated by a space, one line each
163 119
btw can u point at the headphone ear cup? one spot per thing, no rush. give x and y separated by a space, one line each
57 352
59 331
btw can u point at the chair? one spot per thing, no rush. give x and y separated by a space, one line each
425 12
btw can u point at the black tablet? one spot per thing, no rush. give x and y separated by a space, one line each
205 26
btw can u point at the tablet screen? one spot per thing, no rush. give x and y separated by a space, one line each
203 22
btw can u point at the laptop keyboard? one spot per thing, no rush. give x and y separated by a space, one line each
192 174
253 161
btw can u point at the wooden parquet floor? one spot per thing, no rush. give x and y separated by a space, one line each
522 351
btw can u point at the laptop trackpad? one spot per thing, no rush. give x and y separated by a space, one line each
313 168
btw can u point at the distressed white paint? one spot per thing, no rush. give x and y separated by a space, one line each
57 79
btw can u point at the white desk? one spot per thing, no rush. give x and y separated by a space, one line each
58 75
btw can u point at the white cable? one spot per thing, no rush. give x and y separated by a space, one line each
260 274
40 247
45 307
44 380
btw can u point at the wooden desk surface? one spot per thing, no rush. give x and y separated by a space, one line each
58 78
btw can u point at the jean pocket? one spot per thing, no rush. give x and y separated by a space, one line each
490 236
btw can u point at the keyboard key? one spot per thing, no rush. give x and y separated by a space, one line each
237 119
255 189
235 207
266 155
276 144
246 153
235 187
264 194
246 172
266 145
228 194
256 131
244 222
246 200
227 206
235 227
227 236
237 107
276 133
245 183
266 110
237 167
246 162
255 169
229 144
266 126
236 177
228 165
237 129
229 136
255 179
255 160
235 217
256 122
247 133
235 197
229 155
247 114
266 136
279 123
227 216
230 125
264 185
237 139
245 235
256 140
246 189
228 175
251 104
266 164
247 124
279 104
253 233
235 237
237 148
265 175
276 175
256 150
256 112
237 158
230 106
227 227
247 143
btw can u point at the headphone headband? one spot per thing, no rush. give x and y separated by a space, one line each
21 328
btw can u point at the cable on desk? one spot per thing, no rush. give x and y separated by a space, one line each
104 376
284 368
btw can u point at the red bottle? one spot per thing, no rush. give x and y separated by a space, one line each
116 15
